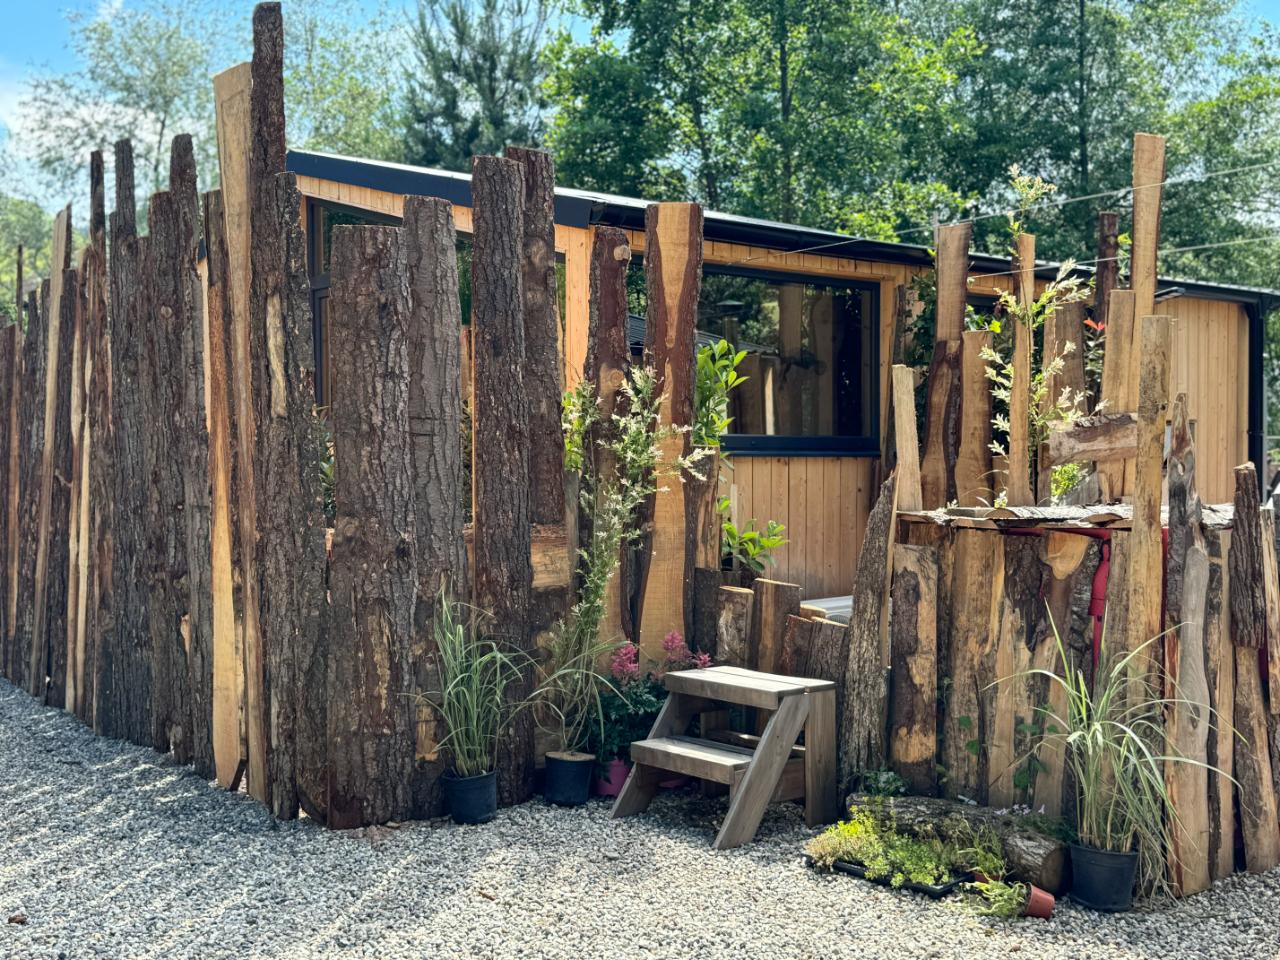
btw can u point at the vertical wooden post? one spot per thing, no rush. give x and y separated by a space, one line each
543 377
608 354
964 721
1220 670
38 665
953 279
10 372
1251 758
1063 339
673 273
228 667
907 448
862 730
942 405
374 573
34 362
733 626
58 537
74 679
774 602
1019 489
1116 392
973 460
1146 558
1148 177
913 699
1187 720
435 415
1107 269
232 95
500 448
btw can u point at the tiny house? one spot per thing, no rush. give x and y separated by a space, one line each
815 310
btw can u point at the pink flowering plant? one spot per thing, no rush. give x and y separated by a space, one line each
630 707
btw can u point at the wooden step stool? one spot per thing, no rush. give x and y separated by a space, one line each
757 771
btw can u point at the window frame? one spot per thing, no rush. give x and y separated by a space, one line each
765 445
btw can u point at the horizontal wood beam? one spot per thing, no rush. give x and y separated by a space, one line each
1103 436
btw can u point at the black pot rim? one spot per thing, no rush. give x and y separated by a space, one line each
479 776
1125 854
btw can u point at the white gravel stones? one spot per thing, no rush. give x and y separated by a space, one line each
109 850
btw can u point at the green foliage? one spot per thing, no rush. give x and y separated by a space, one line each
869 839
716 375
749 548
995 898
474 674
627 715
22 222
883 783
476 81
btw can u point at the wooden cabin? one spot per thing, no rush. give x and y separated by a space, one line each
815 310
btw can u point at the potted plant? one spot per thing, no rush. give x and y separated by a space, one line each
1114 743
990 892
474 674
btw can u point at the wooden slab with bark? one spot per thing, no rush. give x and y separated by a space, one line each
1187 717
941 427
673 275
503 573
906 446
775 601
1116 398
973 460
862 729
371 717
913 696
964 722
440 478
1220 679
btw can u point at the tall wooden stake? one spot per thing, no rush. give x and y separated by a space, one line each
1019 489
973 462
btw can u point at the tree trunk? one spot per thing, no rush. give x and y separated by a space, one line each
435 423
500 450
1030 856
375 573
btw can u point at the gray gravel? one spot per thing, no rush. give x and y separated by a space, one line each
110 850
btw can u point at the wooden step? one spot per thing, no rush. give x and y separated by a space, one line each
692 757
747 687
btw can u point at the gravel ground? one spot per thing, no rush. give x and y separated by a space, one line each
109 850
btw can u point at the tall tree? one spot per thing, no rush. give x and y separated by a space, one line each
476 86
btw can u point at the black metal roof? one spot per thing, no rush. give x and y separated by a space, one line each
581 208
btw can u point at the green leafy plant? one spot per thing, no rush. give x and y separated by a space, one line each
749 548
870 840
474 674
883 783
716 375
1113 738
995 898
569 697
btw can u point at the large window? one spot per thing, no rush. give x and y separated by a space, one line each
811 363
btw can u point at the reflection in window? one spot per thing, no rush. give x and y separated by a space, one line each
810 354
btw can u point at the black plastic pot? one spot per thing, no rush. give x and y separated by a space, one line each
569 778
471 799
1102 879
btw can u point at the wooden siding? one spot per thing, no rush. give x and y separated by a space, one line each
824 501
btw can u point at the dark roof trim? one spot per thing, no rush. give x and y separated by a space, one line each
581 208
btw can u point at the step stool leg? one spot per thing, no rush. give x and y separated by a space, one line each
642 782
821 792
752 795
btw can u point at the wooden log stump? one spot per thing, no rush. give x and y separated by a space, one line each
371 716
775 601
503 575
733 626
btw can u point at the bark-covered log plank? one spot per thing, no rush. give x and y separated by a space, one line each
1256 793
1016 697
503 574
1248 593
34 364
1118 345
733 626
371 713
1145 580
1107 270
608 354
124 707
953 279
673 274
1220 678
57 584
1103 436
913 698
797 643
941 426
775 602
10 371
1019 487
440 478
973 459
862 729
964 722
12 453
1029 855
73 691
1187 718
39 664
228 668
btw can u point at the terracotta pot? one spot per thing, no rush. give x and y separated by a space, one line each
610 785
1040 903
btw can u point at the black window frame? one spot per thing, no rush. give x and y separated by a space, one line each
764 445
